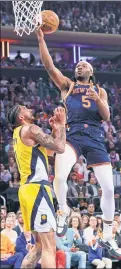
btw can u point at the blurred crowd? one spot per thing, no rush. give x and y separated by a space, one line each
78 248
85 16
102 65
84 193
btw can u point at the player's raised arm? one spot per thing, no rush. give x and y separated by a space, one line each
59 79
56 143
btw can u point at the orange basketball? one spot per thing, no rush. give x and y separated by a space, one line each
50 21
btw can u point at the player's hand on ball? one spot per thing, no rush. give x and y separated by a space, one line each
92 94
60 115
39 33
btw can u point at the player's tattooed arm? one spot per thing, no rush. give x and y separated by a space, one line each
56 144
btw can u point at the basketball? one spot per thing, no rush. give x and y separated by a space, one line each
50 21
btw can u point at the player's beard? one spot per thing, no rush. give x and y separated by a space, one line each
82 78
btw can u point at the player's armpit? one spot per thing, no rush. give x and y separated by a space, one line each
47 141
62 82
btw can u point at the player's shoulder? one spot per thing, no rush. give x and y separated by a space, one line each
28 130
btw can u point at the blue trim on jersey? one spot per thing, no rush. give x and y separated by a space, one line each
35 154
42 193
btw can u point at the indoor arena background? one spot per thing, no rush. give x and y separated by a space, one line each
89 31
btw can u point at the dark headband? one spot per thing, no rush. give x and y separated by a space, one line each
12 113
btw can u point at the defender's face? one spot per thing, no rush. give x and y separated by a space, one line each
82 70
26 114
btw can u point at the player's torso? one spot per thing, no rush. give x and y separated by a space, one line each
81 109
32 161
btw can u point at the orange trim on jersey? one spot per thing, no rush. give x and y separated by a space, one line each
69 91
91 165
73 149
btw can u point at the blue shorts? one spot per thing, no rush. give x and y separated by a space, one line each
90 142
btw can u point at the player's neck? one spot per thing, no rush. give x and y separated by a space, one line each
83 82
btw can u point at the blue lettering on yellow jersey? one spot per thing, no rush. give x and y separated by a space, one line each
81 109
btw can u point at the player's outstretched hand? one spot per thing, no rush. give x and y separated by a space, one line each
60 115
39 33
92 94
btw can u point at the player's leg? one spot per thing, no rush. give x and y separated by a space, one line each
63 165
48 256
45 248
104 176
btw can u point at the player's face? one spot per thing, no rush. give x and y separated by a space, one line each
82 71
26 114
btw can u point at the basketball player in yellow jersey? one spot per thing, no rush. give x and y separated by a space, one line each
35 197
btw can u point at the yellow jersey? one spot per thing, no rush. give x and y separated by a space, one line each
32 162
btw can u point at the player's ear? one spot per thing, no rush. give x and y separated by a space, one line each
20 117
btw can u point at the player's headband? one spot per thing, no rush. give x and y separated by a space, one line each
90 66
12 113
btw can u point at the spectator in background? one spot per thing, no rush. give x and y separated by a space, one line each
85 221
75 225
109 142
4 174
12 215
108 127
116 234
8 255
99 223
2 224
24 243
114 157
97 200
15 181
89 231
90 209
73 254
96 255
82 169
118 219
19 227
31 59
4 211
18 56
12 235
72 194
92 185
12 165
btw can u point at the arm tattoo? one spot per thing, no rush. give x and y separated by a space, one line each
56 144
31 259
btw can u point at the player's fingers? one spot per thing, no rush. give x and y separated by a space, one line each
97 85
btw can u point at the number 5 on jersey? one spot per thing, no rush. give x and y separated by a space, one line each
85 101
